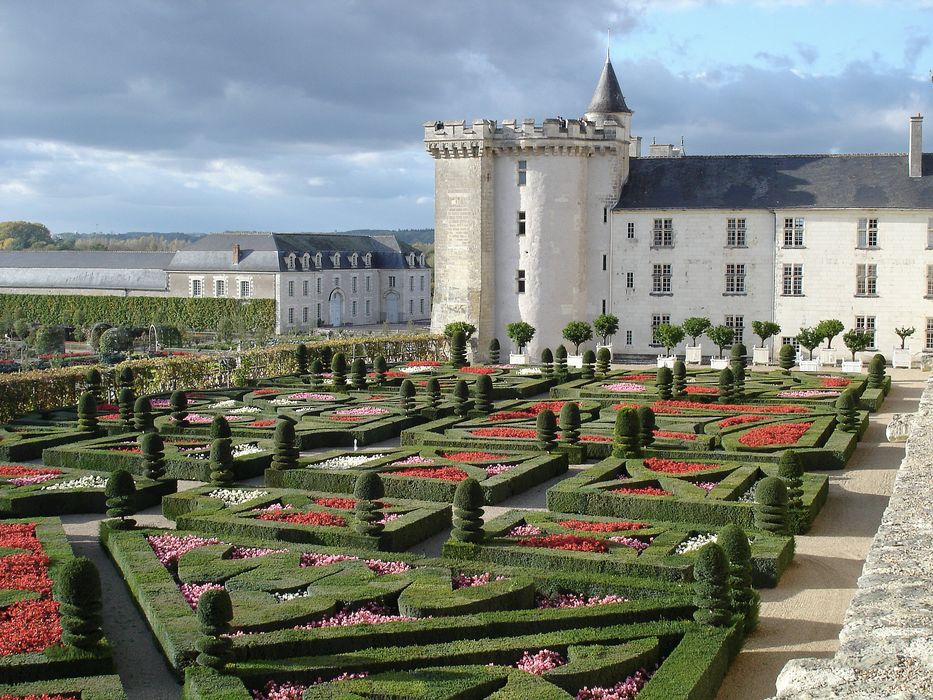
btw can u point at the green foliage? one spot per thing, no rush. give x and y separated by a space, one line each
829 329
745 599
115 340
726 385
126 401
494 351
285 448
520 333
452 328
153 451
570 423
483 393
606 326
406 392
49 339
215 611
679 372
626 434
338 367
738 362
380 367
358 374
143 420
220 428
646 426
577 332
432 389
771 506
547 363
468 512
589 359
695 326
87 412
765 330
560 362
790 471
221 462
669 335
809 338
121 498
78 592
904 333
787 357
178 402
126 377
301 358
19 235
722 336
461 398
95 332
458 349
317 371
847 412
603 361
367 490
876 372
665 382
711 593
94 383
546 430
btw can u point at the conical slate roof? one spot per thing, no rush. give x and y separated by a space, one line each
607 98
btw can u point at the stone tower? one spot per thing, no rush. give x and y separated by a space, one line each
522 217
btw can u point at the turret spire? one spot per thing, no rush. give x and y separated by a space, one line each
607 98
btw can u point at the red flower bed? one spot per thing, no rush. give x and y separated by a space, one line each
101 407
20 536
27 572
554 406
341 503
110 416
595 438
738 420
643 491
265 392
478 370
833 382
674 435
423 363
728 407
601 527
504 432
638 377
620 406
779 434
471 456
394 374
695 389
510 415
530 412
311 517
29 626
443 473
573 543
129 450
263 423
671 466
17 470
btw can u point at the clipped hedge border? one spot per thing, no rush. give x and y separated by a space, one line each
85 687
17 447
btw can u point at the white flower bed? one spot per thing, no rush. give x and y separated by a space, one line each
529 372
284 402
229 403
749 495
692 544
247 448
246 409
235 497
417 369
345 462
91 481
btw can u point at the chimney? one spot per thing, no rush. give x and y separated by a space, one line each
915 155
236 253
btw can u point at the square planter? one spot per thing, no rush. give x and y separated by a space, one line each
848 366
600 347
809 365
901 358
828 358
518 359
575 361
761 356
668 362
718 362
693 354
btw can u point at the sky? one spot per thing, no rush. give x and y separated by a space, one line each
293 115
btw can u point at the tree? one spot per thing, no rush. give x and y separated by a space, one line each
603 361
179 404
120 492
406 392
570 423
285 446
483 394
468 512
215 611
358 374
19 235
87 412
367 491
494 351
626 437
94 383
433 390
646 426
765 330
606 326
221 462
458 356
680 378
787 357
904 333
711 593
461 398
669 336
520 333
115 340
745 599
695 326
547 361
809 338
577 332
665 382
126 401
338 368
153 451
78 592
771 506
317 372
847 412
560 362
546 430
722 336
829 329
380 367
589 359
790 471
468 329
49 339
143 420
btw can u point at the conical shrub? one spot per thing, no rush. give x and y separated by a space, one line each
78 592
153 451
679 372
494 351
603 361
301 359
560 361
221 462
745 599
458 356
367 491
317 372
846 412
215 612
468 511
120 492
126 401
665 383
787 357
358 374
433 391
626 442
771 506
338 368
143 420
790 470
285 447
220 428
726 385
646 426
589 362
94 383
547 363
482 394
461 398
711 594
406 392
380 367
570 423
179 404
546 430
87 412
876 366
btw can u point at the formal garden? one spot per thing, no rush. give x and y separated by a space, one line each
674 494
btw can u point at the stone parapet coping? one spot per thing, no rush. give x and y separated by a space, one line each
886 643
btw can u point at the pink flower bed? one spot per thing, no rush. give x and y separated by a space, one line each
496 469
160 403
706 485
193 591
626 387
540 663
472 580
296 691
414 459
361 411
524 531
253 552
632 542
367 614
170 548
574 600
311 396
664 406
33 480
623 690
807 394
377 566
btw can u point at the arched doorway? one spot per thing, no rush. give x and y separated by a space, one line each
392 308
336 309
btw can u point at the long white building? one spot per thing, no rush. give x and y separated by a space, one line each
564 220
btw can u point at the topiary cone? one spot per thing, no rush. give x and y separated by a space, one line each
367 490
221 462
494 351
603 361
468 511
726 385
711 593
589 360
317 369
547 363
458 349
679 371
570 423
358 374
546 430
120 492
406 392
143 420
483 394
771 506
646 426
87 412
179 404
433 390
665 383
78 592
626 434
790 471
745 599
461 398
220 428
787 357
126 400
153 451
338 368
380 367
215 611
285 448
847 412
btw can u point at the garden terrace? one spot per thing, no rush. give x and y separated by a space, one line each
424 474
185 457
21 442
310 613
32 554
312 517
697 489
650 548
34 490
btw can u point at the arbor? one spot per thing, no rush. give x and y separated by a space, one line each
722 336
577 332
115 340
695 326
809 338
903 333
765 330
606 326
468 329
829 329
520 333
669 335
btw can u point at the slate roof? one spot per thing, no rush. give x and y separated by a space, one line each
875 181
84 269
607 97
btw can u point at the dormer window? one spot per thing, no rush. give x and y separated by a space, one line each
318 261
335 258
290 261
422 260
411 259
305 261
368 259
354 259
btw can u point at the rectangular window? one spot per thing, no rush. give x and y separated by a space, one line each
628 337
353 285
663 236
930 280
319 314
305 286
521 223
197 288
367 308
929 233
793 232
657 320
661 279
793 280
867 233
220 288
522 172
929 339
603 307
737 324
411 307
391 281
421 283
291 288
411 284
369 284
353 308
304 315
605 215
735 278
735 232
336 282
866 324
318 285
291 316
630 280
605 261
792 341
520 278
246 289
866 280
631 230
421 305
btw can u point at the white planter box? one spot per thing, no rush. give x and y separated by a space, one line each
718 362
854 367
901 358
515 359
809 365
828 358
668 362
693 354
761 356
575 361
600 347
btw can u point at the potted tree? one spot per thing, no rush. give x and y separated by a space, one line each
521 334
722 337
855 341
670 336
902 354
809 338
764 330
829 329
695 326
606 326
577 332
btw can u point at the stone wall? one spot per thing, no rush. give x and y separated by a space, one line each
886 643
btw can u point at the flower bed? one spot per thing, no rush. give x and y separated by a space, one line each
624 387
672 466
777 434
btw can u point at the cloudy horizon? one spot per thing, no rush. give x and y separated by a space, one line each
156 115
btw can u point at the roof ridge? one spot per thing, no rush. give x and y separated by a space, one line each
773 155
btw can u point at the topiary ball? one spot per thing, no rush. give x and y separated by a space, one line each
220 428
78 583
368 487
469 495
